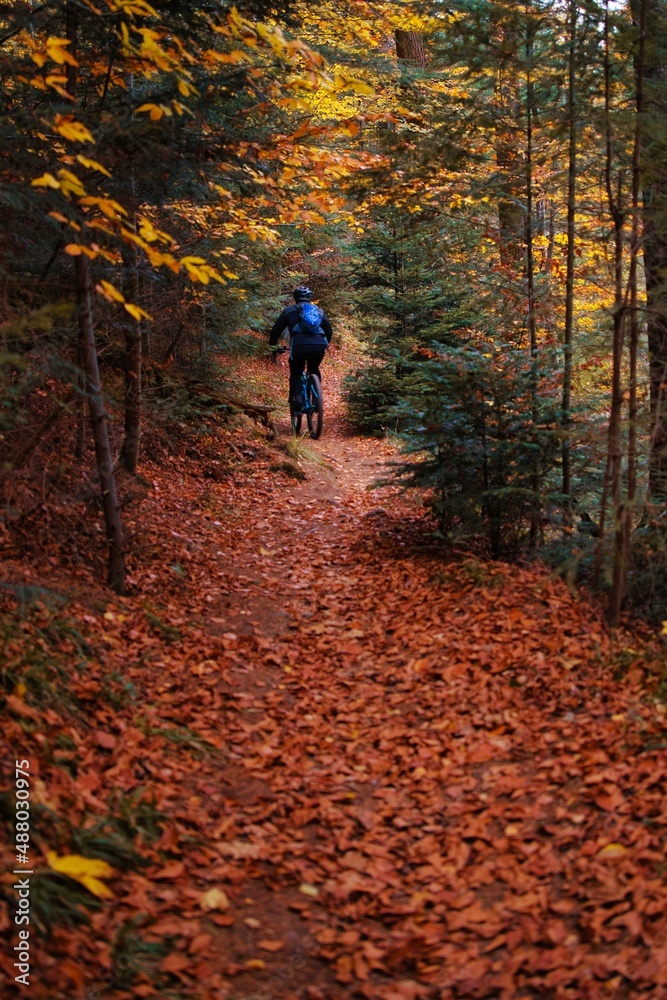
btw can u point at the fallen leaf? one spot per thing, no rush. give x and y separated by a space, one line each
255 963
87 871
267 945
612 851
176 962
105 740
309 890
214 899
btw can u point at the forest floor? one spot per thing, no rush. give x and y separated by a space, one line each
357 766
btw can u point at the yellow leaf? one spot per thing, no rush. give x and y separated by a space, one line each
138 7
107 206
70 184
156 111
92 165
158 259
214 899
69 128
58 83
110 293
56 49
197 274
136 312
199 270
309 890
612 851
185 88
149 233
46 180
350 83
87 871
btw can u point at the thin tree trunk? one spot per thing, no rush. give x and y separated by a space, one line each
114 527
569 278
507 144
88 359
626 514
530 283
653 157
530 256
614 467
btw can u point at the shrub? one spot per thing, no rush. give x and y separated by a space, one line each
371 393
481 436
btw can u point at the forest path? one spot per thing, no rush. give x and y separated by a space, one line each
431 784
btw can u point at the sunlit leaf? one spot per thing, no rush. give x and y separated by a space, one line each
69 128
87 871
56 49
92 165
136 312
46 180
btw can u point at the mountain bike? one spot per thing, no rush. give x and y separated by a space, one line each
310 404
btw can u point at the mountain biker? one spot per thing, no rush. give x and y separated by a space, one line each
310 335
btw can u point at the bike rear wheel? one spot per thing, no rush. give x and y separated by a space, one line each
315 409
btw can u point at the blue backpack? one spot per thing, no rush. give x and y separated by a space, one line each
310 318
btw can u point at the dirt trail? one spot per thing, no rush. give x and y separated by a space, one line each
388 773
432 786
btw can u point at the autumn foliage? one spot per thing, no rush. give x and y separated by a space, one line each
291 726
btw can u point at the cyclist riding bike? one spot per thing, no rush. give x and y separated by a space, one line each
310 335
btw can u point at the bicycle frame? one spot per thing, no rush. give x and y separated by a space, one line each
305 405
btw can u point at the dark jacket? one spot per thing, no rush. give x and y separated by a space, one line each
289 317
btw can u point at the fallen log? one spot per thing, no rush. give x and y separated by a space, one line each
240 404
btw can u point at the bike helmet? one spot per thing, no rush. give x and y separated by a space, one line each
302 294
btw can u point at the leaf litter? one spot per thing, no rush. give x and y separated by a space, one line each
423 777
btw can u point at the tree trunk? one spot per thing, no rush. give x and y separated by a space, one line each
507 143
614 467
114 527
626 511
88 361
530 287
569 278
654 181
410 48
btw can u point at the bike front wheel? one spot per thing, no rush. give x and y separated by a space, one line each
315 409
